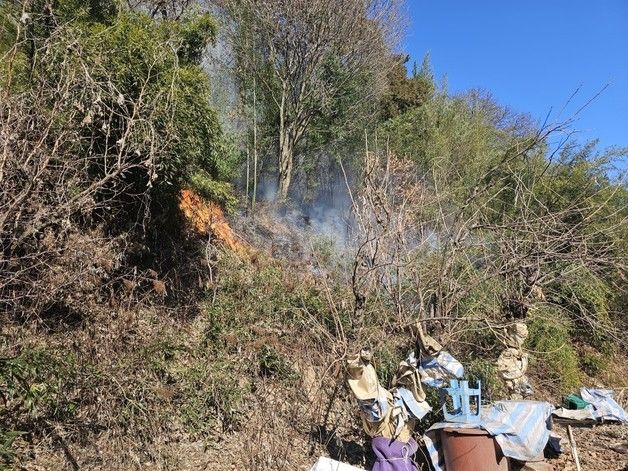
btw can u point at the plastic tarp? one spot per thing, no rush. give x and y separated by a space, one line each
604 405
327 464
519 427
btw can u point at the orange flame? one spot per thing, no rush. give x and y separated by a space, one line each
206 217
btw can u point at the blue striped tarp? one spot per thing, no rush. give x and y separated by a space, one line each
521 428
435 371
604 406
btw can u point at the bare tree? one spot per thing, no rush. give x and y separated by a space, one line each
165 9
453 260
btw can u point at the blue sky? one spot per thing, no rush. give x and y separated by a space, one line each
532 55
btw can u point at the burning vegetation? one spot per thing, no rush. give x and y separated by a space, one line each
208 219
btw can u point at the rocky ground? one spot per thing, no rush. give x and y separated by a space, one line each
599 448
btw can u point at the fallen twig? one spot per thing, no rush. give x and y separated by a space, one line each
574 449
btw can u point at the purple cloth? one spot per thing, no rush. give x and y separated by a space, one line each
392 455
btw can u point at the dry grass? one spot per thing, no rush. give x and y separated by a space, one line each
254 380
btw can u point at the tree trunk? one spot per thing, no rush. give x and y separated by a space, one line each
286 154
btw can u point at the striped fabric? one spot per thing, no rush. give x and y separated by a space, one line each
521 429
604 406
435 371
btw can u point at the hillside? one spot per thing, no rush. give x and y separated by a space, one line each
205 211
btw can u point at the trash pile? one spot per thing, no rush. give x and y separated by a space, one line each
591 405
472 436
512 364
389 415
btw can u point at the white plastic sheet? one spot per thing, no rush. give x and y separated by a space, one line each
327 464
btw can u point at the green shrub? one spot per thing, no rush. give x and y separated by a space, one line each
493 387
214 190
210 391
324 248
273 364
554 360
433 398
386 362
594 363
7 453
34 387
202 388
36 381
